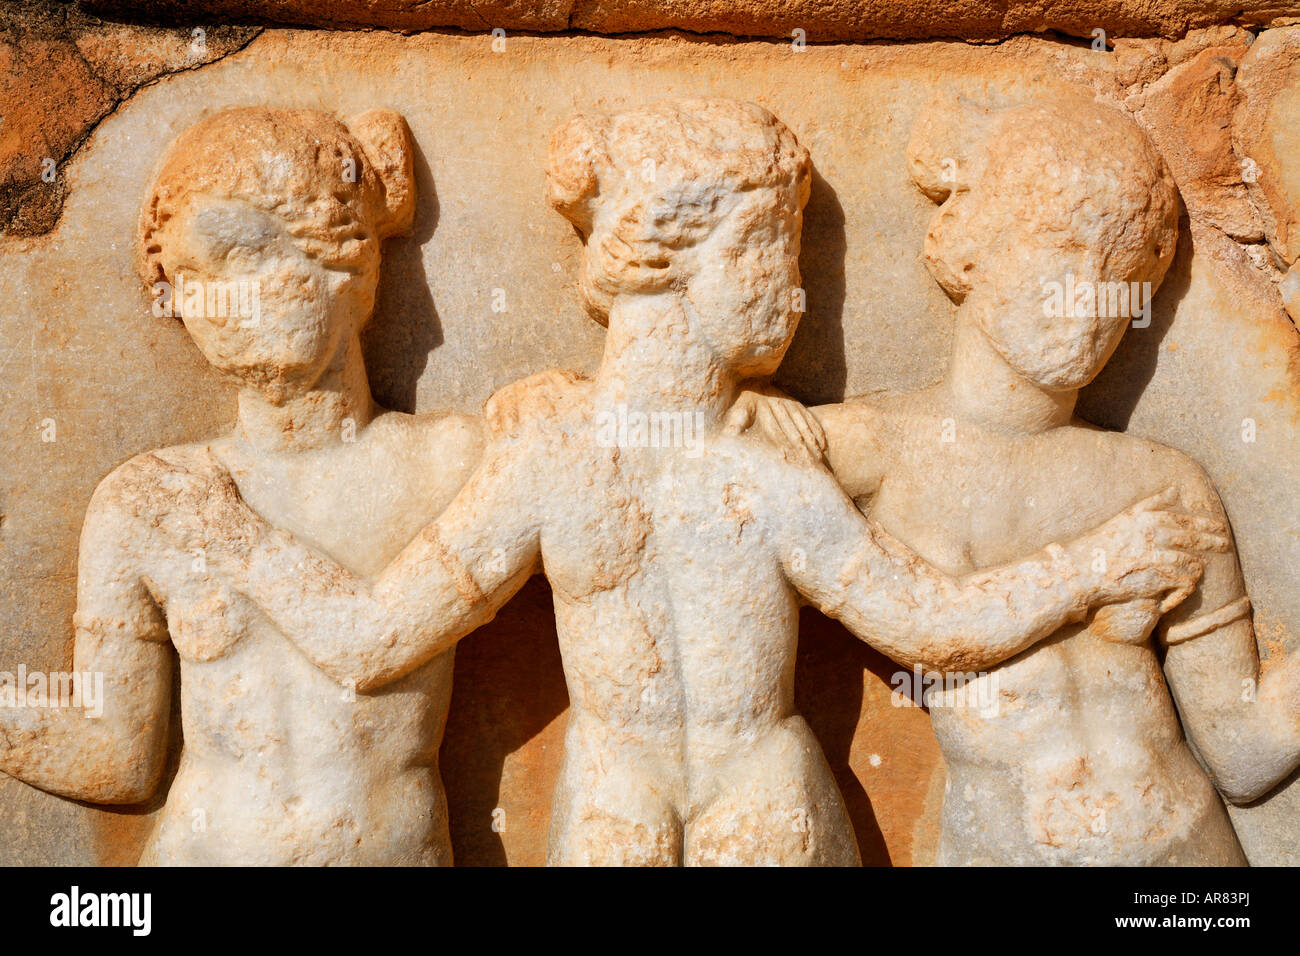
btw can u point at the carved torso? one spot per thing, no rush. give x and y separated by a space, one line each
678 632
1078 734
285 756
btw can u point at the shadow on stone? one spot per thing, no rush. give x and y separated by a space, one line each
828 693
508 687
1112 396
814 370
405 327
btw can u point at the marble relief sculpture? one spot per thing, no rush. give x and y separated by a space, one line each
1082 759
677 554
314 775
297 204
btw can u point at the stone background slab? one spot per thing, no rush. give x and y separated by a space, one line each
79 346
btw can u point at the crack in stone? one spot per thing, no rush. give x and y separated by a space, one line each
34 207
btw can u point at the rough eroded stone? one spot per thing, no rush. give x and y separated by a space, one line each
83 352
818 19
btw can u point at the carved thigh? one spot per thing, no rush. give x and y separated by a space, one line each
776 805
608 812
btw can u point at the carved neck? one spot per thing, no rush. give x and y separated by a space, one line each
985 390
315 418
655 360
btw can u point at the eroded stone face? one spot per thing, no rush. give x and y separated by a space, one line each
674 566
1071 752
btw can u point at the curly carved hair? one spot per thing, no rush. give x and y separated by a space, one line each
294 164
1071 172
644 184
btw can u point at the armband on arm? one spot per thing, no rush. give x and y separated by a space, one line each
456 569
1203 624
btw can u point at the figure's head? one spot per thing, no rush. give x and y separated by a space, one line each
286 205
1061 197
703 198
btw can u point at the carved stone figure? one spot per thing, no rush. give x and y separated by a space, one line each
262 233
284 210
677 549
1072 751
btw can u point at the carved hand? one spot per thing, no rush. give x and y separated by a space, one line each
1151 550
533 397
206 511
780 419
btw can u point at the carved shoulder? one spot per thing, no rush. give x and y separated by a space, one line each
453 443
117 542
855 445
133 492
1169 467
1222 582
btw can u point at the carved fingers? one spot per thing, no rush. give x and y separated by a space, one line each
534 397
782 421
192 501
1155 549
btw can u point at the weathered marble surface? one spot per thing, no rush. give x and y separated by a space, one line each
677 548
81 348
